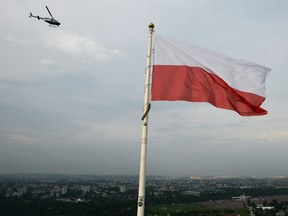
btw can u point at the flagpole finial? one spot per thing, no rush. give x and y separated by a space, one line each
151 26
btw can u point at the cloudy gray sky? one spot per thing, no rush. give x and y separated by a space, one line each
71 97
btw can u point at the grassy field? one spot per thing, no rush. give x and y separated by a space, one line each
192 209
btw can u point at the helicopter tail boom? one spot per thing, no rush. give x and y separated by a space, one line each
38 17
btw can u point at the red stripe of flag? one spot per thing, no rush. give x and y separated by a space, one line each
182 83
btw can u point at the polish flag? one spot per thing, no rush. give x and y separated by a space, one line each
183 72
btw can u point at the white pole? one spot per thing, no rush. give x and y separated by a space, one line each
142 174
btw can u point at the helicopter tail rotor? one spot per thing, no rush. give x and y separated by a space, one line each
30 15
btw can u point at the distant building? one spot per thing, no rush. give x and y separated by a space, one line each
123 189
9 192
193 193
280 213
64 190
266 207
196 177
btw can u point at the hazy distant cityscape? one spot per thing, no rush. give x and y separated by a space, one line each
220 194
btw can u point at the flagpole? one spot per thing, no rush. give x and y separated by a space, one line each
142 173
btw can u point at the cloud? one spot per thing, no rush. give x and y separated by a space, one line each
48 62
275 136
12 38
15 137
76 44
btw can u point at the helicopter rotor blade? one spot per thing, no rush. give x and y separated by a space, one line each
49 12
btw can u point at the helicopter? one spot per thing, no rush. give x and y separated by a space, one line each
51 21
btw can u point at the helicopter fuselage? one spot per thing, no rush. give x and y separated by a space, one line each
51 21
